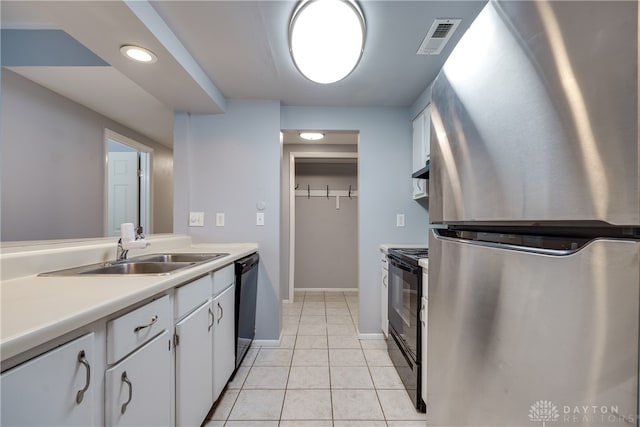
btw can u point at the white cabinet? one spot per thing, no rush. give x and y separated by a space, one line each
129 331
138 386
424 316
56 388
421 150
384 295
194 368
137 390
224 343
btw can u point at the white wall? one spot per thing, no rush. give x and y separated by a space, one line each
228 163
53 166
384 187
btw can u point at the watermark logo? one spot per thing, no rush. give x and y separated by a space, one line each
543 411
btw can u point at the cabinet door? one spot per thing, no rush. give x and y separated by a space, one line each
424 317
418 142
420 188
194 386
384 299
426 134
224 343
421 150
48 389
137 390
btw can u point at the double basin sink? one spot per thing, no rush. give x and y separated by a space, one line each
154 264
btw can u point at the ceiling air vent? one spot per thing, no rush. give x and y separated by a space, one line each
438 36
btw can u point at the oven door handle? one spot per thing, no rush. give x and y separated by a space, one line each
404 267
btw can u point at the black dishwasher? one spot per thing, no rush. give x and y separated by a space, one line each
246 294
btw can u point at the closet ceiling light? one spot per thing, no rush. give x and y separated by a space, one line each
311 136
326 39
139 54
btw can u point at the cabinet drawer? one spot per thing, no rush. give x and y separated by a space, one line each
191 295
133 329
223 278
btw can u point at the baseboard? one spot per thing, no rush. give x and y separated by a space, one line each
379 336
326 289
268 343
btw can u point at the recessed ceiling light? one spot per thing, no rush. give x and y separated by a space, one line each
326 39
139 54
311 136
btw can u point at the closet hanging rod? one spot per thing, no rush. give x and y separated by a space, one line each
308 193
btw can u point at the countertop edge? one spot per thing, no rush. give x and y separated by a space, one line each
32 337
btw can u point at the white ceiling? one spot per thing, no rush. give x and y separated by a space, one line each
210 51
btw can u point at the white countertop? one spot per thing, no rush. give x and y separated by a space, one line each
36 309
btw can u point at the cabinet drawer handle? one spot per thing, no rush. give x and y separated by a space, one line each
221 310
212 319
154 319
83 360
127 382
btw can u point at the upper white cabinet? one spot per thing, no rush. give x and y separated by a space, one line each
421 150
56 388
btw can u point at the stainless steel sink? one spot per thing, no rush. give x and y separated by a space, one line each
195 258
150 265
139 268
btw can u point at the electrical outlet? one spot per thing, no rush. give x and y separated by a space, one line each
220 220
196 219
260 218
400 220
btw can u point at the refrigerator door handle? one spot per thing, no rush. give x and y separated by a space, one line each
513 247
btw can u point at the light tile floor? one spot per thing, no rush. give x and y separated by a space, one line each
322 375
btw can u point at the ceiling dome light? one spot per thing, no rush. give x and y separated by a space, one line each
139 54
311 136
326 39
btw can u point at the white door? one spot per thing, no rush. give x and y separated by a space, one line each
137 390
48 390
224 343
194 382
123 189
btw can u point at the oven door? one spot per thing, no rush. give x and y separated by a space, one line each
404 303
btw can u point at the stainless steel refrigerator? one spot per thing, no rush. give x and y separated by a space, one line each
534 267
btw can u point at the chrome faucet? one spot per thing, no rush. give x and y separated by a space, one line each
121 253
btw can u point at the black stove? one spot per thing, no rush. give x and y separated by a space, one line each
409 255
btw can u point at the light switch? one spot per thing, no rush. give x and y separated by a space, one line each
196 219
400 220
260 218
220 220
